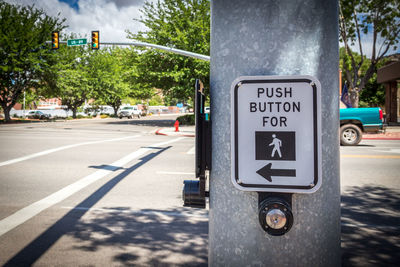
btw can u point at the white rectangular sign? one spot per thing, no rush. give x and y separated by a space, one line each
276 133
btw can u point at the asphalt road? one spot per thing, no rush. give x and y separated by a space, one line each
103 193
108 192
370 185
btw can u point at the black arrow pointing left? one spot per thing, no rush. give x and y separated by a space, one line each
267 172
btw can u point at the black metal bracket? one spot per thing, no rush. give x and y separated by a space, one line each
194 193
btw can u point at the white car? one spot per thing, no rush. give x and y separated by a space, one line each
37 114
129 112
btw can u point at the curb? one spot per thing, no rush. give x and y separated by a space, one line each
159 132
380 138
386 136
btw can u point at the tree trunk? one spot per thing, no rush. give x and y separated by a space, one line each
6 110
74 113
115 105
354 94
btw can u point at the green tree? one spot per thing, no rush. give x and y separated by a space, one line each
114 75
73 84
129 60
381 18
24 56
107 78
373 93
181 24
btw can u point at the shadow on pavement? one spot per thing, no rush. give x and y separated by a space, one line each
68 223
365 145
148 237
370 226
151 121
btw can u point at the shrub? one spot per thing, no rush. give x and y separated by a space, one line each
103 116
187 119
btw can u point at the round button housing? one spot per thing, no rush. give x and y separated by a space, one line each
275 216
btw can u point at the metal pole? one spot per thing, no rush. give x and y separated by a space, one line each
24 104
165 48
288 37
155 46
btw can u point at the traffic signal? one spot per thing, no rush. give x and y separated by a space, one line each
55 40
95 40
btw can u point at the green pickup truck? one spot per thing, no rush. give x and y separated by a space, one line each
355 121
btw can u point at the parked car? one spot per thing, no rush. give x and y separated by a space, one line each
355 121
37 114
129 112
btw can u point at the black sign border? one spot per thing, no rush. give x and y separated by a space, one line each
315 131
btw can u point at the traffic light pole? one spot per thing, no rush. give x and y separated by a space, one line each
155 46
254 38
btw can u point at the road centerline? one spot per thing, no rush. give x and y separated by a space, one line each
35 208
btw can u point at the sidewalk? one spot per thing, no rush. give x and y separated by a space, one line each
391 133
187 131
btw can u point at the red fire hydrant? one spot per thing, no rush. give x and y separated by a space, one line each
176 126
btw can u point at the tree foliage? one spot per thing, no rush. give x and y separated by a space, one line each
24 56
73 84
181 24
129 60
381 19
107 76
373 93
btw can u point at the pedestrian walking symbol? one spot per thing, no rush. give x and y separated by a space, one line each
275 145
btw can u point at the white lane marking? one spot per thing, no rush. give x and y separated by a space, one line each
45 152
203 214
177 173
167 142
28 212
191 151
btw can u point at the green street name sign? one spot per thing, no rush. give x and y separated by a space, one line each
74 42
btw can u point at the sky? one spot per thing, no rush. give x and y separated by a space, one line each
111 17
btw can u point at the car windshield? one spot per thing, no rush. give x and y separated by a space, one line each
125 108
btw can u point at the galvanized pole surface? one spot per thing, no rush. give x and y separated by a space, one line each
288 37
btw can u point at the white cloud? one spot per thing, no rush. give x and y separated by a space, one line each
367 46
113 17
110 17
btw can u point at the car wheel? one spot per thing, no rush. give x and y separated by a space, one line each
350 135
